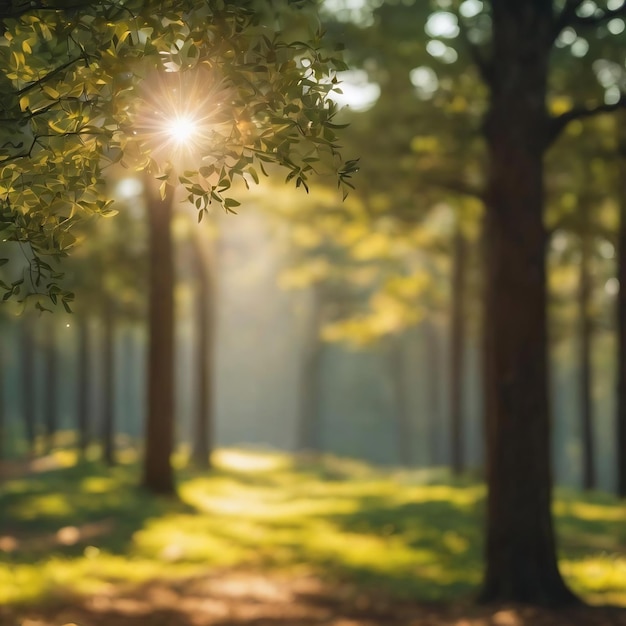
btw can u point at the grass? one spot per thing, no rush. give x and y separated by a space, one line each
81 528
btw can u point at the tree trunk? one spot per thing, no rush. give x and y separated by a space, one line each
28 383
621 314
433 372
50 405
309 426
3 425
108 381
205 324
586 330
457 350
158 475
84 385
520 544
404 434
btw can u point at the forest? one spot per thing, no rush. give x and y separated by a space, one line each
310 313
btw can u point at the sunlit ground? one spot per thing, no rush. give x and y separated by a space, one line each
411 534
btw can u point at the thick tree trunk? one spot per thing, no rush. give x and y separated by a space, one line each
309 427
621 314
520 542
28 383
50 381
205 339
158 475
404 432
108 381
586 332
84 385
457 350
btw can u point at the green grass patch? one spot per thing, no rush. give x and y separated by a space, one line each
81 528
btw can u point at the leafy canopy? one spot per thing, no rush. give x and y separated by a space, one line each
85 85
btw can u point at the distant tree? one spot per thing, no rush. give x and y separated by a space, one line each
28 381
457 348
108 380
309 428
204 260
51 381
585 294
83 385
3 416
402 414
621 310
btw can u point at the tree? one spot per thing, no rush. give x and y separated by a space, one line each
115 64
520 546
457 348
621 311
205 278
50 417
514 46
83 384
108 386
28 381
269 104
158 475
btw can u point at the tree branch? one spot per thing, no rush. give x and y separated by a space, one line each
570 17
558 124
484 65
49 75
563 20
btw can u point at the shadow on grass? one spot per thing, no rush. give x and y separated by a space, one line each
60 511
346 523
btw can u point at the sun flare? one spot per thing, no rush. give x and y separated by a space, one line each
181 128
182 116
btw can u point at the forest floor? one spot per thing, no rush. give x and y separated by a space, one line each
268 541
246 599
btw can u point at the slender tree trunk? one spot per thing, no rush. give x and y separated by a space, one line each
621 314
205 324
457 350
108 381
520 543
433 372
51 380
3 424
28 383
586 331
397 371
309 426
158 474
84 385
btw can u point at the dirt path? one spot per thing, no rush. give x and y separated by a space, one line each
238 599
